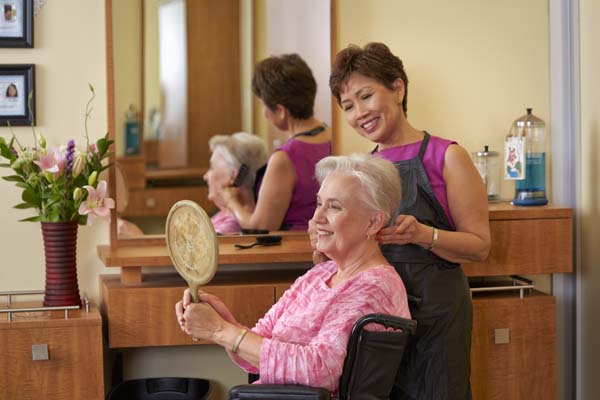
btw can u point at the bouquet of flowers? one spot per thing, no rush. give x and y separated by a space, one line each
61 183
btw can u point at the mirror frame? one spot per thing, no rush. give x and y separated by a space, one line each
154 240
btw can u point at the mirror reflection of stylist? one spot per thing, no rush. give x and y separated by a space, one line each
442 220
286 199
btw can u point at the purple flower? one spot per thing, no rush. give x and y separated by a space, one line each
15 152
70 155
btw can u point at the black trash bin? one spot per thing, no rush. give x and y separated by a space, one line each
161 389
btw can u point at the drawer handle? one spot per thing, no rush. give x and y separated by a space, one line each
39 352
502 336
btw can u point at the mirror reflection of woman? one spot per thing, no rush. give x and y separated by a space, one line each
234 161
303 338
441 222
286 198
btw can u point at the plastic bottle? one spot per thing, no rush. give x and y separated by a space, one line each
132 132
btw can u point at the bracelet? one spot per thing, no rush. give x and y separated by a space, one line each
238 340
434 239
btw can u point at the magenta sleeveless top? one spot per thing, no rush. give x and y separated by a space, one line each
304 157
433 162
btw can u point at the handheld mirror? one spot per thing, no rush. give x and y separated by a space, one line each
192 244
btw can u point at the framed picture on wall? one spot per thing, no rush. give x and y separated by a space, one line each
17 94
16 23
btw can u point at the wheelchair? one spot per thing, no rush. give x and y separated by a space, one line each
369 371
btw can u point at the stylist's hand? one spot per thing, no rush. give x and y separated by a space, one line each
317 256
229 194
406 229
216 196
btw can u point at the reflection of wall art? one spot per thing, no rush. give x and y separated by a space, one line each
16 82
16 23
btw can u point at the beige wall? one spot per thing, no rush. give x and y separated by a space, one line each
589 207
127 26
69 52
473 66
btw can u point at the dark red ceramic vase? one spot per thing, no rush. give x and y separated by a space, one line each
60 248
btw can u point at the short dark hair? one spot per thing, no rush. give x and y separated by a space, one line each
375 61
286 80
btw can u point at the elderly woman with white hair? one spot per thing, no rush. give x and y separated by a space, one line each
303 338
234 162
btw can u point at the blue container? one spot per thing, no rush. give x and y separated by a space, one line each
132 132
531 191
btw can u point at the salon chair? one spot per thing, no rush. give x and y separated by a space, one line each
369 371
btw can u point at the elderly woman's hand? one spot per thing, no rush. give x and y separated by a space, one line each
406 229
207 298
201 321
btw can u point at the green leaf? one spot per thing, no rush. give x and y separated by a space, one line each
37 218
6 165
13 178
54 217
23 206
22 185
102 146
6 151
30 196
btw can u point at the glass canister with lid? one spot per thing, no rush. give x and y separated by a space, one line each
525 159
487 163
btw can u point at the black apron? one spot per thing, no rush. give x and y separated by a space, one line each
436 363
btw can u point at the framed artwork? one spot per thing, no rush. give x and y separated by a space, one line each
17 94
16 23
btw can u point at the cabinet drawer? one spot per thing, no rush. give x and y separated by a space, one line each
527 246
144 315
73 370
157 202
513 353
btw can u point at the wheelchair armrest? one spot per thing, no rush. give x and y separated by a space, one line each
296 392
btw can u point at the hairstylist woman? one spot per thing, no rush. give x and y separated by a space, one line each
441 222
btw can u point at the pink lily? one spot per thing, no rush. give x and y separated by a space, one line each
53 161
96 204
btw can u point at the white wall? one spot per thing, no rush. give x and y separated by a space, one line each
589 211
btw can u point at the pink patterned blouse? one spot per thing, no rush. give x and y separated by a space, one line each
306 333
225 223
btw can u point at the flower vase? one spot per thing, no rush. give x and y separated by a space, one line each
60 249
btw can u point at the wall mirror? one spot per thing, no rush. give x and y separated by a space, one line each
178 72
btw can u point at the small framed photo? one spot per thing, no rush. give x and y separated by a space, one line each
16 23
17 107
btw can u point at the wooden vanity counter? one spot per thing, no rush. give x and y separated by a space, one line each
525 240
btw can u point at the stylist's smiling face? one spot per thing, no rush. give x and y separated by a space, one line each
341 218
373 110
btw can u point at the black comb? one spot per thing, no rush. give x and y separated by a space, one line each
241 175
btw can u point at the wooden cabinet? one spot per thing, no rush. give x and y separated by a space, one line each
513 350
157 202
144 314
73 368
